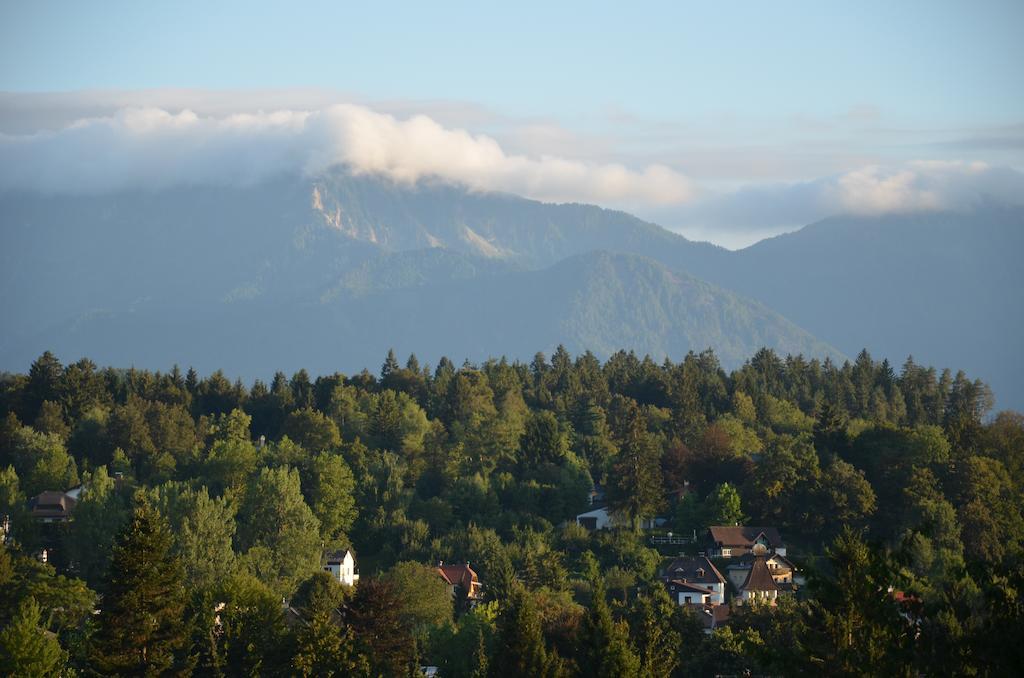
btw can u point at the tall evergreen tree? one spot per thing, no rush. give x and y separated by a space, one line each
323 645
141 629
636 487
27 650
605 651
519 645
375 618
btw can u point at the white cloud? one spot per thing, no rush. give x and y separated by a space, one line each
153 147
915 186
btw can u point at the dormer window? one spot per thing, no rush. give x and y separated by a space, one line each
700 572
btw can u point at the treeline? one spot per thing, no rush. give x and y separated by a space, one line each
882 480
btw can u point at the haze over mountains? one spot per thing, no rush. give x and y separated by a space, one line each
326 273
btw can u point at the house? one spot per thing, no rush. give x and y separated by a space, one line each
600 518
693 581
52 506
729 541
595 519
342 566
461 580
782 569
759 586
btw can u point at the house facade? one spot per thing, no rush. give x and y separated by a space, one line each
694 581
461 580
342 566
595 519
759 585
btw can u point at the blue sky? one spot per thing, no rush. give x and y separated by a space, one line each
731 95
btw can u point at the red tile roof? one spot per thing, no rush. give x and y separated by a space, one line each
460 575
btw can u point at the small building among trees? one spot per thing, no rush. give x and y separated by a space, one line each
342 566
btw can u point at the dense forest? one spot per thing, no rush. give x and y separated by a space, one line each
206 507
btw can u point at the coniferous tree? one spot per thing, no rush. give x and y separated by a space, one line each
519 644
635 489
375 618
323 644
141 629
605 651
26 649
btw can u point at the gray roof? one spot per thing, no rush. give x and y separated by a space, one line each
698 570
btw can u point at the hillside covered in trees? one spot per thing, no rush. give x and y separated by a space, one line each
365 262
204 509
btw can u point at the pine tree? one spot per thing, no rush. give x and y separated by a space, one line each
141 627
480 659
27 649
323 646
636 489
605 651
375 618
520 647
390 365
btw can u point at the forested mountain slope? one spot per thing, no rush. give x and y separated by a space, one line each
442 304
945 287
343 264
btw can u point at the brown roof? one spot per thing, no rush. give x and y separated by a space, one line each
747 559
743 535
760 577
699 570
51 504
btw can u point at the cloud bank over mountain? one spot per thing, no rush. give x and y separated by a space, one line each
154 148
100 141
873 190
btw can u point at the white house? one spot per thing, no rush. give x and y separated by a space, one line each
342 566
694 581
595 519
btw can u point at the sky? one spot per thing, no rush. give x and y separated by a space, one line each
725 121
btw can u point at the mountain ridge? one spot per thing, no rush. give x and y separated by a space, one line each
337 238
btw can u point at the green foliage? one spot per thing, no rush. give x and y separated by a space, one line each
277 532
252 639
140 627
25 647
519 642
323 645
604 647
330 490
425 600
478 463
722 506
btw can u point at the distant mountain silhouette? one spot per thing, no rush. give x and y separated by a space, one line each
328 273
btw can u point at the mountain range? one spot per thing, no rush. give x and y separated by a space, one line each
329 272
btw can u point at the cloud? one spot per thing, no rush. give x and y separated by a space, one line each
915 186
151 147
